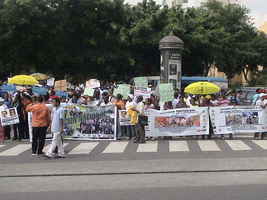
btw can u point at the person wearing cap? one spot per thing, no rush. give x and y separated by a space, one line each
56 129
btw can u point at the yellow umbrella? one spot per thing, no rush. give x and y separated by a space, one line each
40 76
202 88
23 80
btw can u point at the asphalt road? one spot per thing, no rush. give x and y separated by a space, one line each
188 186
178 169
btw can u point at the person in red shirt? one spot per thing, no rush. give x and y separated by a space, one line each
40 123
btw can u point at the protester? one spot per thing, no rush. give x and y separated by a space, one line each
142 121
56 128
3 108
40 124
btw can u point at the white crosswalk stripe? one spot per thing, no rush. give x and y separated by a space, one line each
46 148
237 145
116 147
176 146
84 148
208 145
16 150
150 146
1 145
261 143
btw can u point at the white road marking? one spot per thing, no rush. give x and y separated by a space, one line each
237 145
176 146
208 145
150 146
16 150
84 148
46 148
116 147
261 143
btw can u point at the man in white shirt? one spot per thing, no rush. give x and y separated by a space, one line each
56 129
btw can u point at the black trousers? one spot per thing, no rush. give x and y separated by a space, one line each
38 139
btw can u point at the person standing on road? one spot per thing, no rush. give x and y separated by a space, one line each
40 124
56 129
142 120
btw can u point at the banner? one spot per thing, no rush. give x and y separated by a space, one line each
61 85
92 83
9 117
89 92
90 123
178 122
124 119
239 119
50 82
141 82
123 89
166 92
144 92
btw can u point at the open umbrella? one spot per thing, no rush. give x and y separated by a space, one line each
23 80
40 76
202 88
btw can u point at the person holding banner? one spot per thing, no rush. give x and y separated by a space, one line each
56 129
40 123
3 108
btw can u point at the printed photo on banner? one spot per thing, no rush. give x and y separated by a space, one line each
238 119
178 122
9 117
90 123
124 119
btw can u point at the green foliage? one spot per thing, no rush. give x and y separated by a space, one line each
109 39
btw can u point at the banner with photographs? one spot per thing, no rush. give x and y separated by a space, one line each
178 122
90 123
9 117
124 119
239 119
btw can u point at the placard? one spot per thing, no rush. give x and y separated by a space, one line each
61 85
89 92
124 119
123 89
141 82
166 92
92 83
144 92
9 117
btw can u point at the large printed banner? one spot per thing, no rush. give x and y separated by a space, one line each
239 119
9 117
90 123
178 122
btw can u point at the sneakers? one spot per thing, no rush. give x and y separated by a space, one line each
34 154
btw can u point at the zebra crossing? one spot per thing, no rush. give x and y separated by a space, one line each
119 147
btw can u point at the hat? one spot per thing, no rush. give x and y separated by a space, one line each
131 96
1 100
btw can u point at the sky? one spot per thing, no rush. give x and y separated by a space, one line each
258 8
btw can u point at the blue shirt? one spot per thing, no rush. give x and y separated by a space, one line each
57 116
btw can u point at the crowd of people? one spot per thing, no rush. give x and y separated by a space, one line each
38 111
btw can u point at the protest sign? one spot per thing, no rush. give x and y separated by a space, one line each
141 82
39 90
89 92
50 82
166 92
238 119
124 119
90 123
178 122
8 88
92 83
123 89
9 117
144 92
61 85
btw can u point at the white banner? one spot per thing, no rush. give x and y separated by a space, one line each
238 119
9 117
144 92
178 122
